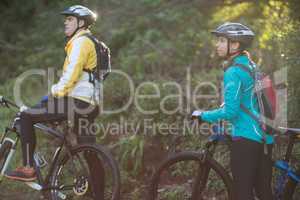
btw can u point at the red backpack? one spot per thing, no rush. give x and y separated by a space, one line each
265 92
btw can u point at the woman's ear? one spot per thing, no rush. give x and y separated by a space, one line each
81 23
234 46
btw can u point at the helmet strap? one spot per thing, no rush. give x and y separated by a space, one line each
229 55
228 48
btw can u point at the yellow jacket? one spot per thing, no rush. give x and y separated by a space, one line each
74 82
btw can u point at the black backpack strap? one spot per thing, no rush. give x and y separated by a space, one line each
258 121
245 68
103 57
96 72
91 76
246 110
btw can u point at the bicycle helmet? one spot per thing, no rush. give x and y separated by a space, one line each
235 32
81 12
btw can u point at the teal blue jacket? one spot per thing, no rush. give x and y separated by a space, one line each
238 89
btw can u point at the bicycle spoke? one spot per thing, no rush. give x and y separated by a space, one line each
78 181
73 178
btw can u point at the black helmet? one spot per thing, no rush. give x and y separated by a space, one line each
235 32
82 13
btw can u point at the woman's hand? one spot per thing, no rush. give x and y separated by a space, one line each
196 115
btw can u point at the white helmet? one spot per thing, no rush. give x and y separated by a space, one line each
81 12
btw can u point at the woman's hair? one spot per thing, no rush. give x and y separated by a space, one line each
246 53
228 62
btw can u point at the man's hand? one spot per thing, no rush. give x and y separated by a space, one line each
44 99
196 115
23 108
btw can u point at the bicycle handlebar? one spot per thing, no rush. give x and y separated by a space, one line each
2 100
40 126
8 103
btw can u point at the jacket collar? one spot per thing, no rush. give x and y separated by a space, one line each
78 34
240 58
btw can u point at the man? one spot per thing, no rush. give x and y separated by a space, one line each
74 97
251 167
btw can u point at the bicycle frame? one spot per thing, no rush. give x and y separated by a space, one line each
292 139
10 155
41 184
279 193
203 170
64 151
285 181
209 150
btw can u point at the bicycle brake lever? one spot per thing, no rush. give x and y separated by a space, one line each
5 103
2 102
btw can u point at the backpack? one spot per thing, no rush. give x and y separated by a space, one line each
265 92
103 67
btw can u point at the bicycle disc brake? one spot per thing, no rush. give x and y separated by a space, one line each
81 185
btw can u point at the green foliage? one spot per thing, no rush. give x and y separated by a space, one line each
176 193
150 40
131 153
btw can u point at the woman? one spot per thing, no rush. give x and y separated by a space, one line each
251 166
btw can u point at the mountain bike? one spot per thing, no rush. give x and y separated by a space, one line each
70 174
197 175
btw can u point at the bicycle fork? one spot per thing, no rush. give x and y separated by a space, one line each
201 178
11 153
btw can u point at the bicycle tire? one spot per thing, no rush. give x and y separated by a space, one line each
107 160
189 156
4 151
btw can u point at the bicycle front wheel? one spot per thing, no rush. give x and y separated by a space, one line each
184 176
88 172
